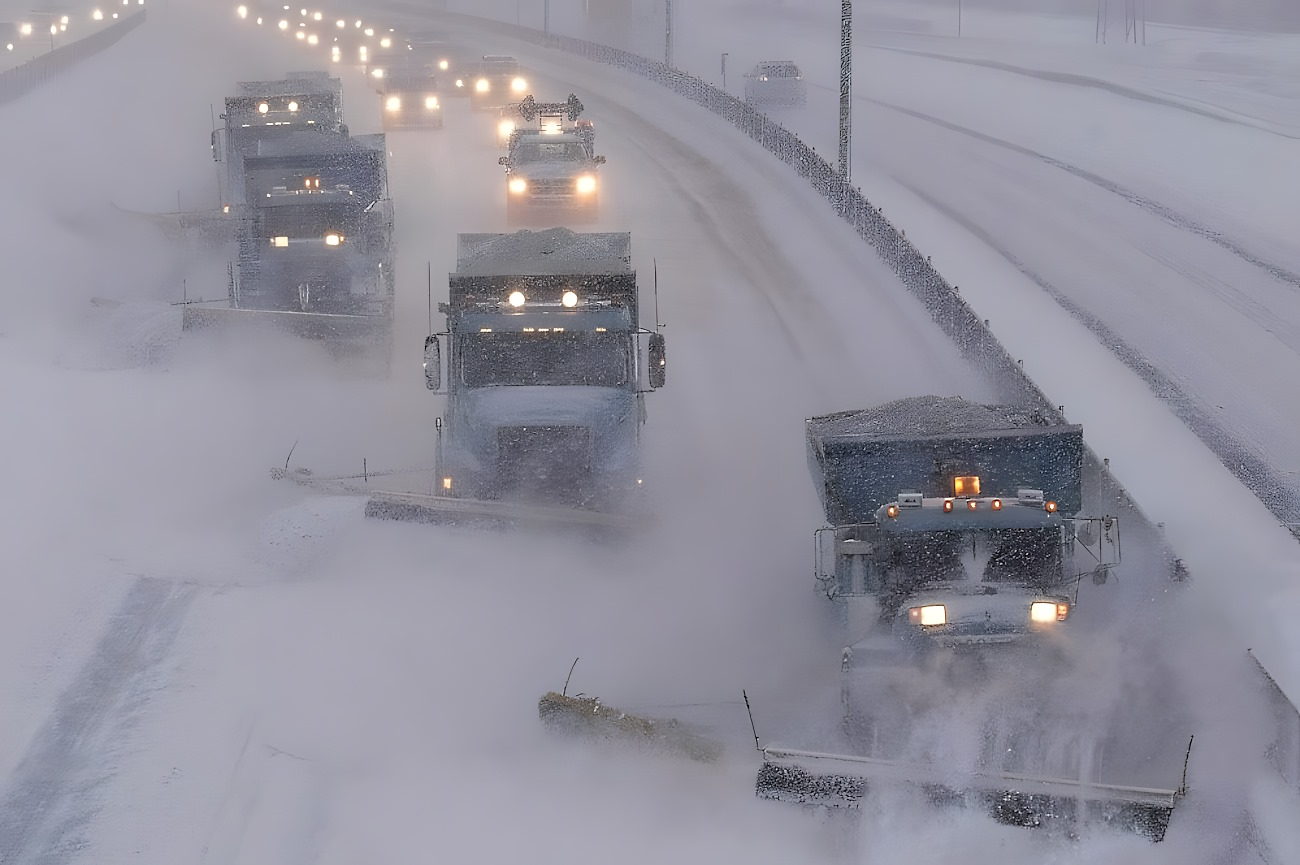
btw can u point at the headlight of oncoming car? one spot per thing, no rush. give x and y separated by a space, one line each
519 85
482 85
505 128
430 102
280 241
518 185
333 239
1048 611
928 615
394 103
586 184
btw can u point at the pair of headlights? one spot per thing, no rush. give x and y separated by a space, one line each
517 85
1040 612
332 239
585 185
394 103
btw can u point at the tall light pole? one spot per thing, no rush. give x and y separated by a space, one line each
846 83
668 32
724 71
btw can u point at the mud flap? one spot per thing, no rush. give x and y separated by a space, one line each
810 778
588 718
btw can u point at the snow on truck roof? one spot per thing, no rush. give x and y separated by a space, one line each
553 251
930 417
295 84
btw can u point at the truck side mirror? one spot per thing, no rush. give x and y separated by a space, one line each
432 364
599 160
216 145
503 160
658 357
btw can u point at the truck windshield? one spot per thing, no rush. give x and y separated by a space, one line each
551 151
596 359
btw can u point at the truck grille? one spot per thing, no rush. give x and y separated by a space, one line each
546 462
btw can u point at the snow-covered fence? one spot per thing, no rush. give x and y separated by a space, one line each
23 79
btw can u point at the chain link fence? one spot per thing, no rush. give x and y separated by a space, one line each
21 80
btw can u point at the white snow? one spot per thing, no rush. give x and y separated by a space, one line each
345 690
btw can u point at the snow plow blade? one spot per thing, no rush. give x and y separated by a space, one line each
413 507
588 718
338 329
812 778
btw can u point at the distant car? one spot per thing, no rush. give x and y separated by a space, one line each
499 82
775 82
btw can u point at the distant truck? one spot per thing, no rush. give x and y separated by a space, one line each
312 219
958 525
499 81
547 365
775 83
552 169
265 111
410 96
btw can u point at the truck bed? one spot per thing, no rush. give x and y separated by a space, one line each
863 459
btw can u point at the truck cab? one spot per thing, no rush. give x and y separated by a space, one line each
544 370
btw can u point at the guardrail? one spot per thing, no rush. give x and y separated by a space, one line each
23 79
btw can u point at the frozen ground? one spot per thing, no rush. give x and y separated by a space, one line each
209 667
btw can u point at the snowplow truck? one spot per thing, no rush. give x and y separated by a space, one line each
547 367
955 529
313 221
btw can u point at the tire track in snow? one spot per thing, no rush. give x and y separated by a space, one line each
1155 208
1269 486
1076 80
51 796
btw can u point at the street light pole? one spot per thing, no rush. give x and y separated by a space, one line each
668 32
724 71
846 83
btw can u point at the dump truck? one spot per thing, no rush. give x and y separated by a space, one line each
955 538
552 169
309 209
547 367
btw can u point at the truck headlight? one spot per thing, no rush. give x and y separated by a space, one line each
586 184
928 616
519 85
377 73
430 102
518 185
482 85
1048 611
517 299
394 103
262 108
505 128
333 239
280 241
443 64
293 106
569 299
